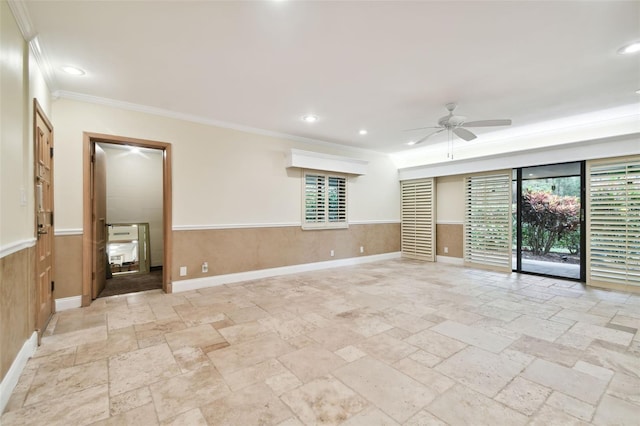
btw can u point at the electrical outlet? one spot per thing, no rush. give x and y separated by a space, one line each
361 249
332 253
183 271
446 249
205 267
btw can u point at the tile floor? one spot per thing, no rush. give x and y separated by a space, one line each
388 343
556 269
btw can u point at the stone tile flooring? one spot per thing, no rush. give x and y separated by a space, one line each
386 343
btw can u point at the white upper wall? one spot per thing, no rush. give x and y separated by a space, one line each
221 177
20 82
12 130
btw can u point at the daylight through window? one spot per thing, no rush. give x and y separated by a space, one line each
325 201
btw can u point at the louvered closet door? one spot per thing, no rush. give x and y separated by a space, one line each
487 224
418 219
613 219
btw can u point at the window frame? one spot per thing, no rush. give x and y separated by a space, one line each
342 211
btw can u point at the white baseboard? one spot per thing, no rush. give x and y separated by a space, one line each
10 380
450 260
65 303
197 283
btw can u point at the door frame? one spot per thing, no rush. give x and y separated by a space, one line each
583 231
89 141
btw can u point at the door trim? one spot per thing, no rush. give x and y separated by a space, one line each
583 233
89 140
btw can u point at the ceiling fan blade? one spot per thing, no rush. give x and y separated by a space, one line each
464 134
487 123
428 136
422 128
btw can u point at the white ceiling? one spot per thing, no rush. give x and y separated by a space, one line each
383 66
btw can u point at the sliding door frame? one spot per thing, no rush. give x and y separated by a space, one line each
583 231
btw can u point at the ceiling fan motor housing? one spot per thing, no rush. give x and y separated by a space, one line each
457 124
451 121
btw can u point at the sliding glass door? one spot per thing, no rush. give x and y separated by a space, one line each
548 220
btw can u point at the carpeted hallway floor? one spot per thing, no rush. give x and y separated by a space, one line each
131 283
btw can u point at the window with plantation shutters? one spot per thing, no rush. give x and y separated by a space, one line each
418 219
613 240
487 222
325 201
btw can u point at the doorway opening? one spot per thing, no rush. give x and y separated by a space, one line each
127 216
548 216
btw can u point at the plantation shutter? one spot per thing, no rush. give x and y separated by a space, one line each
418 219
325 201
314 200
487 223
337 199
613 242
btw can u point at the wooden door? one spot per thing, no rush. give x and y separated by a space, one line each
99 276
43 140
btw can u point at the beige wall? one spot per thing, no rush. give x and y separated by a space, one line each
450 236
220 176
232 184
134 192
238 250
68 265
449 215
17 310
20 82
450 199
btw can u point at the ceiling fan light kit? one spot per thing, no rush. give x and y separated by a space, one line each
456 124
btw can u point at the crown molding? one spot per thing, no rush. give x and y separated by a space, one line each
29 33
74 96
21 14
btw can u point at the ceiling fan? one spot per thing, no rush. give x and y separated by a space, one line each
457 124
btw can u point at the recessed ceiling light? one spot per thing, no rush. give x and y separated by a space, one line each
630 48
134 150
638 91
363 132
310 118
73 70
411 143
